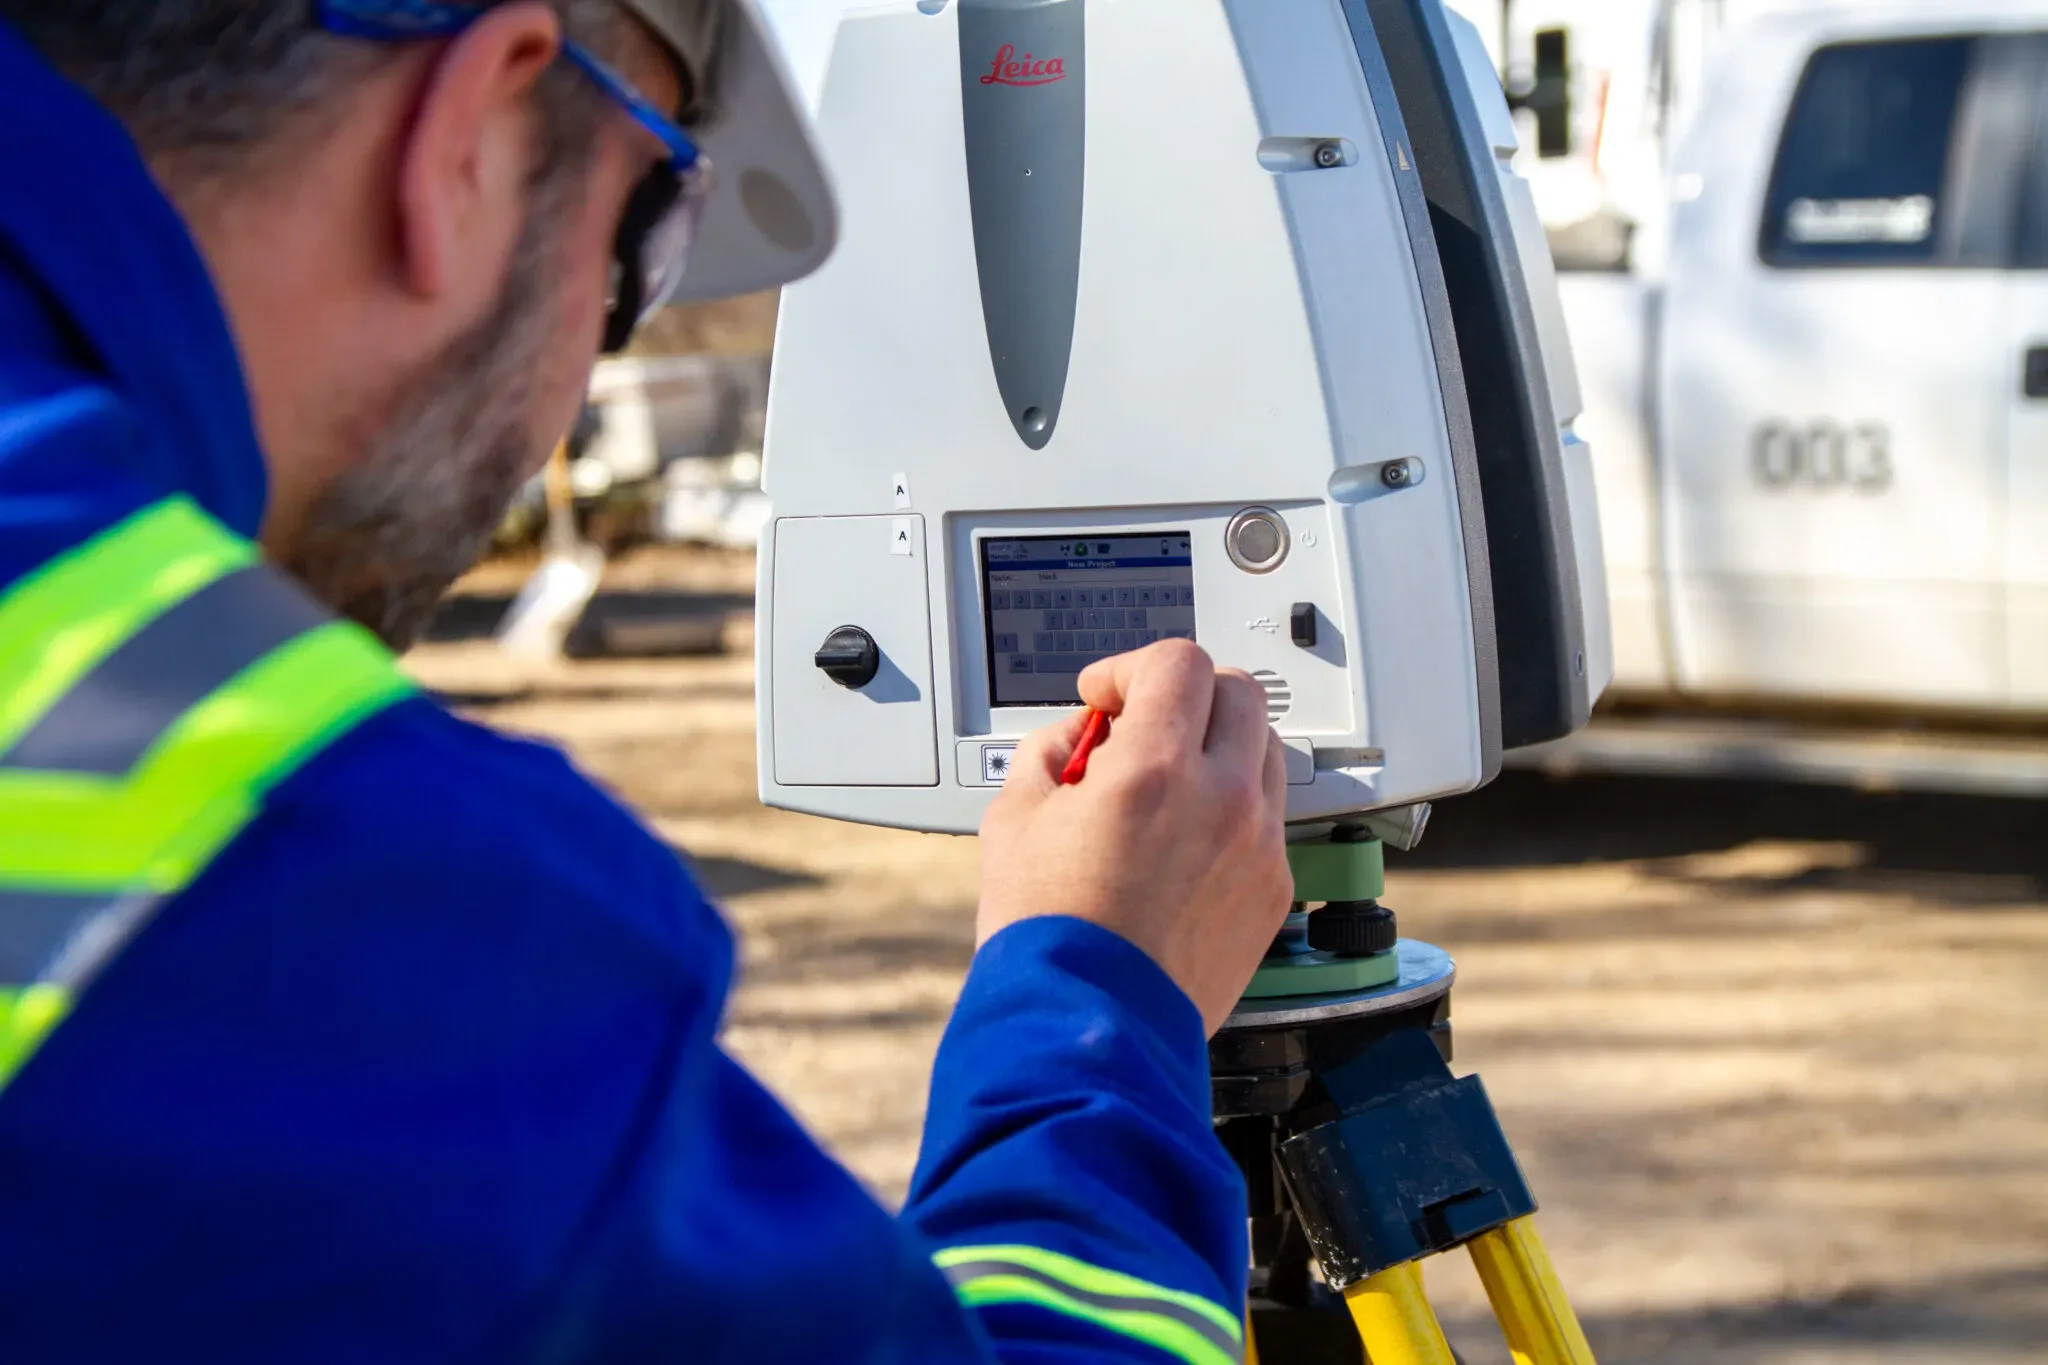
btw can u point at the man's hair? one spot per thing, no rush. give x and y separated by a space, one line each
214 87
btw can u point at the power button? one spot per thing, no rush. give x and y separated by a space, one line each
1256 539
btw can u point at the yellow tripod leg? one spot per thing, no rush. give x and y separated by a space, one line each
1527 1298
1395 1321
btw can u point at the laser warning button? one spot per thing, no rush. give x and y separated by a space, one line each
995 763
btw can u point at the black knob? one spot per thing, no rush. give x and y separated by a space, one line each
849 657
1353 929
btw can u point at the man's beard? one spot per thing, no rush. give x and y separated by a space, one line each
386 538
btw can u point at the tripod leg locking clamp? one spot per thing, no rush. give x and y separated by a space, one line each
1415 1164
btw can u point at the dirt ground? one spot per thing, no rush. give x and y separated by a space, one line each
1775 1058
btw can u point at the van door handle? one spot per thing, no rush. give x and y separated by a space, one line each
2037 372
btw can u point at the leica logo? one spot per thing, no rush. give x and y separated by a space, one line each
1010 69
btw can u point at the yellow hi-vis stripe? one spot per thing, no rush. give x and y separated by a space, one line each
1185 1326
158 827
77 608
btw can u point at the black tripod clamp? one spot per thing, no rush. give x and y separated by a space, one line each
1383 1155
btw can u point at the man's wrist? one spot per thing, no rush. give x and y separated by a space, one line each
1102 981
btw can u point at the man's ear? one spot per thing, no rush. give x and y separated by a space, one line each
465 161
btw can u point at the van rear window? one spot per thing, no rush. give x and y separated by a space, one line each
1863 172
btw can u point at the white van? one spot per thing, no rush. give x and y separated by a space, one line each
1820 401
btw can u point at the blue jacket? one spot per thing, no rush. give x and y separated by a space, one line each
425 1066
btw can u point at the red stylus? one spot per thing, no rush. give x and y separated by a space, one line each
1092 734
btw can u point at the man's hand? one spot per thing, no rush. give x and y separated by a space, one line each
1175 837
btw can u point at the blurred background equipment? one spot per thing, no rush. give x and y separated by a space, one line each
681 441
538 622
667 450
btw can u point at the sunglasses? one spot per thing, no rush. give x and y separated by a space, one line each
660 222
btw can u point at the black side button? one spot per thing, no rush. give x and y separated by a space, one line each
849 657
1301 624
2036 384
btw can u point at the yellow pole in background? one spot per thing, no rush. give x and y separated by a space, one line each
1251 1348
1534 1314
1395 1320
560 493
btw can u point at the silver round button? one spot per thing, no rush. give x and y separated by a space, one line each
1256 539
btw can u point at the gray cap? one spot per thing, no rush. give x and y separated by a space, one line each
770 218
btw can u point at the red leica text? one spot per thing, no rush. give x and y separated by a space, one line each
1010 69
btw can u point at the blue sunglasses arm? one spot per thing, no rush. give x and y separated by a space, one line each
683 153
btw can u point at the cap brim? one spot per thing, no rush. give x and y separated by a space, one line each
771 217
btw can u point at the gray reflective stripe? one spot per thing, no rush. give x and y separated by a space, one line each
65 939
1215 1335
108 720
34 927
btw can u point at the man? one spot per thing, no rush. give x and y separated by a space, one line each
335 1028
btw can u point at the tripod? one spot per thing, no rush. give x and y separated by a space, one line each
1331 1087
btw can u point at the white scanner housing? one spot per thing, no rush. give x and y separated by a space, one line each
1153 317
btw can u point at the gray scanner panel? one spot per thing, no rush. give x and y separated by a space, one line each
867 572
1023 98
